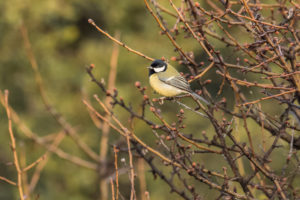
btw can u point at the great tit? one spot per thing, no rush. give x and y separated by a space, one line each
167 81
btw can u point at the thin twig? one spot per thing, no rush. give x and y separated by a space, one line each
142 178
117 172
132 193
169 35
43 157
112 189
118 42
13 146
36 175
57 116
269 97
7 181
105 126
191 30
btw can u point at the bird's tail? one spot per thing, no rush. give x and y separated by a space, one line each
199 97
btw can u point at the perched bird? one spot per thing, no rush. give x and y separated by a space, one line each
167 81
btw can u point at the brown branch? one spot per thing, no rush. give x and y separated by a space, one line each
192 32
124 130
169 35
7 181
249 84
203 72
57 116
118 42
21 125
13 146
256 21
142 178
112 189
43 157
269 97
53 146
117 172
132 193
105 126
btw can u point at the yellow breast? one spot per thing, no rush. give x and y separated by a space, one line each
162 88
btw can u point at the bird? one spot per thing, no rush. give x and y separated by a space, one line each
167 81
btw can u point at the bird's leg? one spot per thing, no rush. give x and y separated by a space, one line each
162 99
175 98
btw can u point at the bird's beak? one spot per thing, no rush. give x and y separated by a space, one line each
150 67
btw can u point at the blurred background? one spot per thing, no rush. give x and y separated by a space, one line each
64 43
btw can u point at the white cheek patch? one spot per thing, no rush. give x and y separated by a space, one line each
159 69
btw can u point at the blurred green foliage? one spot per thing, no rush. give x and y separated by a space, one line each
64 44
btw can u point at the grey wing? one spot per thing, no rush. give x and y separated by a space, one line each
178 82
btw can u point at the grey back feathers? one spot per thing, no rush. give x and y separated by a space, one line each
178 82
182 84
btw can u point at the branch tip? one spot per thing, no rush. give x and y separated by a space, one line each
91 21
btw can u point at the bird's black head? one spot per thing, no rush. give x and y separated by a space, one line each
157 66
158 63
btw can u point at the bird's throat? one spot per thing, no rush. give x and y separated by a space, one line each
151 71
